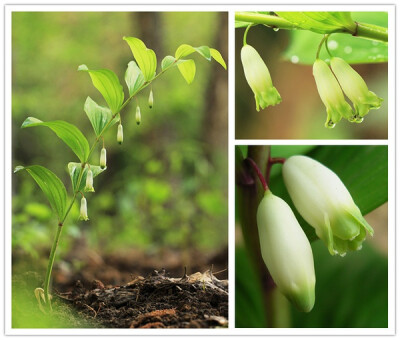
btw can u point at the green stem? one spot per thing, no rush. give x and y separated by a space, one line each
320 45
50 265
371 32
245 35
60 225
362 30
265 19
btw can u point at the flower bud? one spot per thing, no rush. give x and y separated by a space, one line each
355 89
324 202
89 181
120 134
138 115
259 78
103 158
331 94
151 100
83 212
286 251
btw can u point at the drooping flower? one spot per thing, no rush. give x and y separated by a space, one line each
120 134
83 211
259 78
103 158
286 251
331 94
355 88
89 181
325 203
151 99
138 115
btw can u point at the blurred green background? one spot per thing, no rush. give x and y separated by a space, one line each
301 114
166 186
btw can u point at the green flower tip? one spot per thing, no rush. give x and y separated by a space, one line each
259 78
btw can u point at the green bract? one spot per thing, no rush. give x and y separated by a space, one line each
286 251
355 88
259 78
324 202
331 94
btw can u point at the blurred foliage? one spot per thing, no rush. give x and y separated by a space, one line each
350 292
161 188
301 114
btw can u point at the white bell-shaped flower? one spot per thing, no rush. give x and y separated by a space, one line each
286 251
259 78
325 203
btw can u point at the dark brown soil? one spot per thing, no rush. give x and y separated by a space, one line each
124 291
157 301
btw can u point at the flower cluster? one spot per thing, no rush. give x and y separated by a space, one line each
338 80
324 202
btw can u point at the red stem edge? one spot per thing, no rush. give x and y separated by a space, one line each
258 172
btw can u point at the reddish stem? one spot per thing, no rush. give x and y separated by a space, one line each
271 162
258 172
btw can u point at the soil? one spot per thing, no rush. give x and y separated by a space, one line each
110 292
157 301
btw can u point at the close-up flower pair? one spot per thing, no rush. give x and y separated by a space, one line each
324 202
341 78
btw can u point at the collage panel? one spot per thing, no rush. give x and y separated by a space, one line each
120 158
313 75
311 236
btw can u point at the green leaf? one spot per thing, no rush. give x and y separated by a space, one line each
145 57
107 82
321 22
187 69
184 50
74 170
249 308
167 62
218 57
363 170
133 77
98 115
303 44
67 132
51 185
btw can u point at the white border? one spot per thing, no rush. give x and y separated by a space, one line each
231 6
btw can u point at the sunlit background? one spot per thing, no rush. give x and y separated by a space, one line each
162 203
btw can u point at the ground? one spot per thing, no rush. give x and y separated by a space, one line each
108 293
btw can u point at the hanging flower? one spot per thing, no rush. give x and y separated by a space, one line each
286 251
103 158
89 181
138 115
355 89
331 94
324 202
83 211
120 134
151 99
259 78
